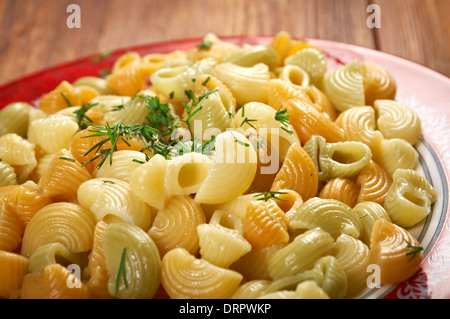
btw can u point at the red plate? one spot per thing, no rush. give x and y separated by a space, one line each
421 88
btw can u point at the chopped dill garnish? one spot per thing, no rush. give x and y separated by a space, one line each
282 117
82 119
121 273
414 250
104 73
69 104
206 81
108 181
204 45
138 161
265 196
67 159
101 56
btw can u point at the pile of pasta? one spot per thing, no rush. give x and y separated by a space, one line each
282 179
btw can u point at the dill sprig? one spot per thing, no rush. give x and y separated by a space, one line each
204 45
283 117
82 119
160 116
265 196
121 273
149 135
414 250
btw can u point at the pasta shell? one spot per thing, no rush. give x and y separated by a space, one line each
61 222
374 183
395 251
184 276
176 225
341 189
14 268
378 82
11 229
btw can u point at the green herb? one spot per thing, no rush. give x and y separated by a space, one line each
171 95
121 273
66 99
204 45
101 56
160 116
247 120
206 81
67 159
282 117
268 195
104 73
192 104
138 161
108 181
82 119
365 215
415 250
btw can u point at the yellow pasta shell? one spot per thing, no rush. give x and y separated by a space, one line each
14 267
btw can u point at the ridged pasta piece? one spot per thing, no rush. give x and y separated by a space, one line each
232 170
262 119
176 225
14 267
281 91
265 224
341 159
249 55
396 154
307 289
124 163
52 253
344 86
112 200
353 255
7 175
285 45
297 173
289 201
307 122
369 213
331 215
398 120
359 124
133 261
107 102
236 206
14 118
147 182
54 132
395 251
206 82
248 84
186 173
301 254
342 189
62 177
253 265
64 95
95 82
327 273
96 272
19 153
409 199
374 183
11 229
82 142
133 112
319 98
211 113
174 81
26 200
221 240
61 222
152 62
251 289
379 83
128 75
184 276
311 60
53 284
295 76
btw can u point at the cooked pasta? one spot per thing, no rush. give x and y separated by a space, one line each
217 171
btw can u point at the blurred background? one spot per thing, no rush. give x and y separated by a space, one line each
34 34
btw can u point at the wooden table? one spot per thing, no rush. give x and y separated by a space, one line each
35 35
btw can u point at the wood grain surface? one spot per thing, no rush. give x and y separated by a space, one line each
34 34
